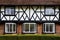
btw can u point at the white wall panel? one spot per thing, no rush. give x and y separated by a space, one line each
34 13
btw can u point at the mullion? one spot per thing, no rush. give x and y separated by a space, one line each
12 28
53 28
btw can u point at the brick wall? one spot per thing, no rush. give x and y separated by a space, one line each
19 28
57 29
1 28
39 28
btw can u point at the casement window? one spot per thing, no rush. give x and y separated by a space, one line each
29 28
10 27
49 11
48 28
9 11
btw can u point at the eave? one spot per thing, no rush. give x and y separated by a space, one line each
29 2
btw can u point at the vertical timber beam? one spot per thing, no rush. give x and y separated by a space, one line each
0 14
59 13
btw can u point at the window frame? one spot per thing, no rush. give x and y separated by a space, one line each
6 29
44 28
11 9
35 28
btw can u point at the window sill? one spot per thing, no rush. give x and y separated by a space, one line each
10 32
48 32
29 32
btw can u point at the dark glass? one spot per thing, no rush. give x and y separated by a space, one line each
14 27
10 27
47 27
51 27
26 27
31 27
7 27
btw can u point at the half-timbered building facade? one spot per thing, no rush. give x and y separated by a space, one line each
29 16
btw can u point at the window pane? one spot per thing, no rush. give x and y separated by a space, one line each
51 27
49 11
7 26
10 27
31 27
14 27
12 11
47 27
26 27
9 11
43 27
